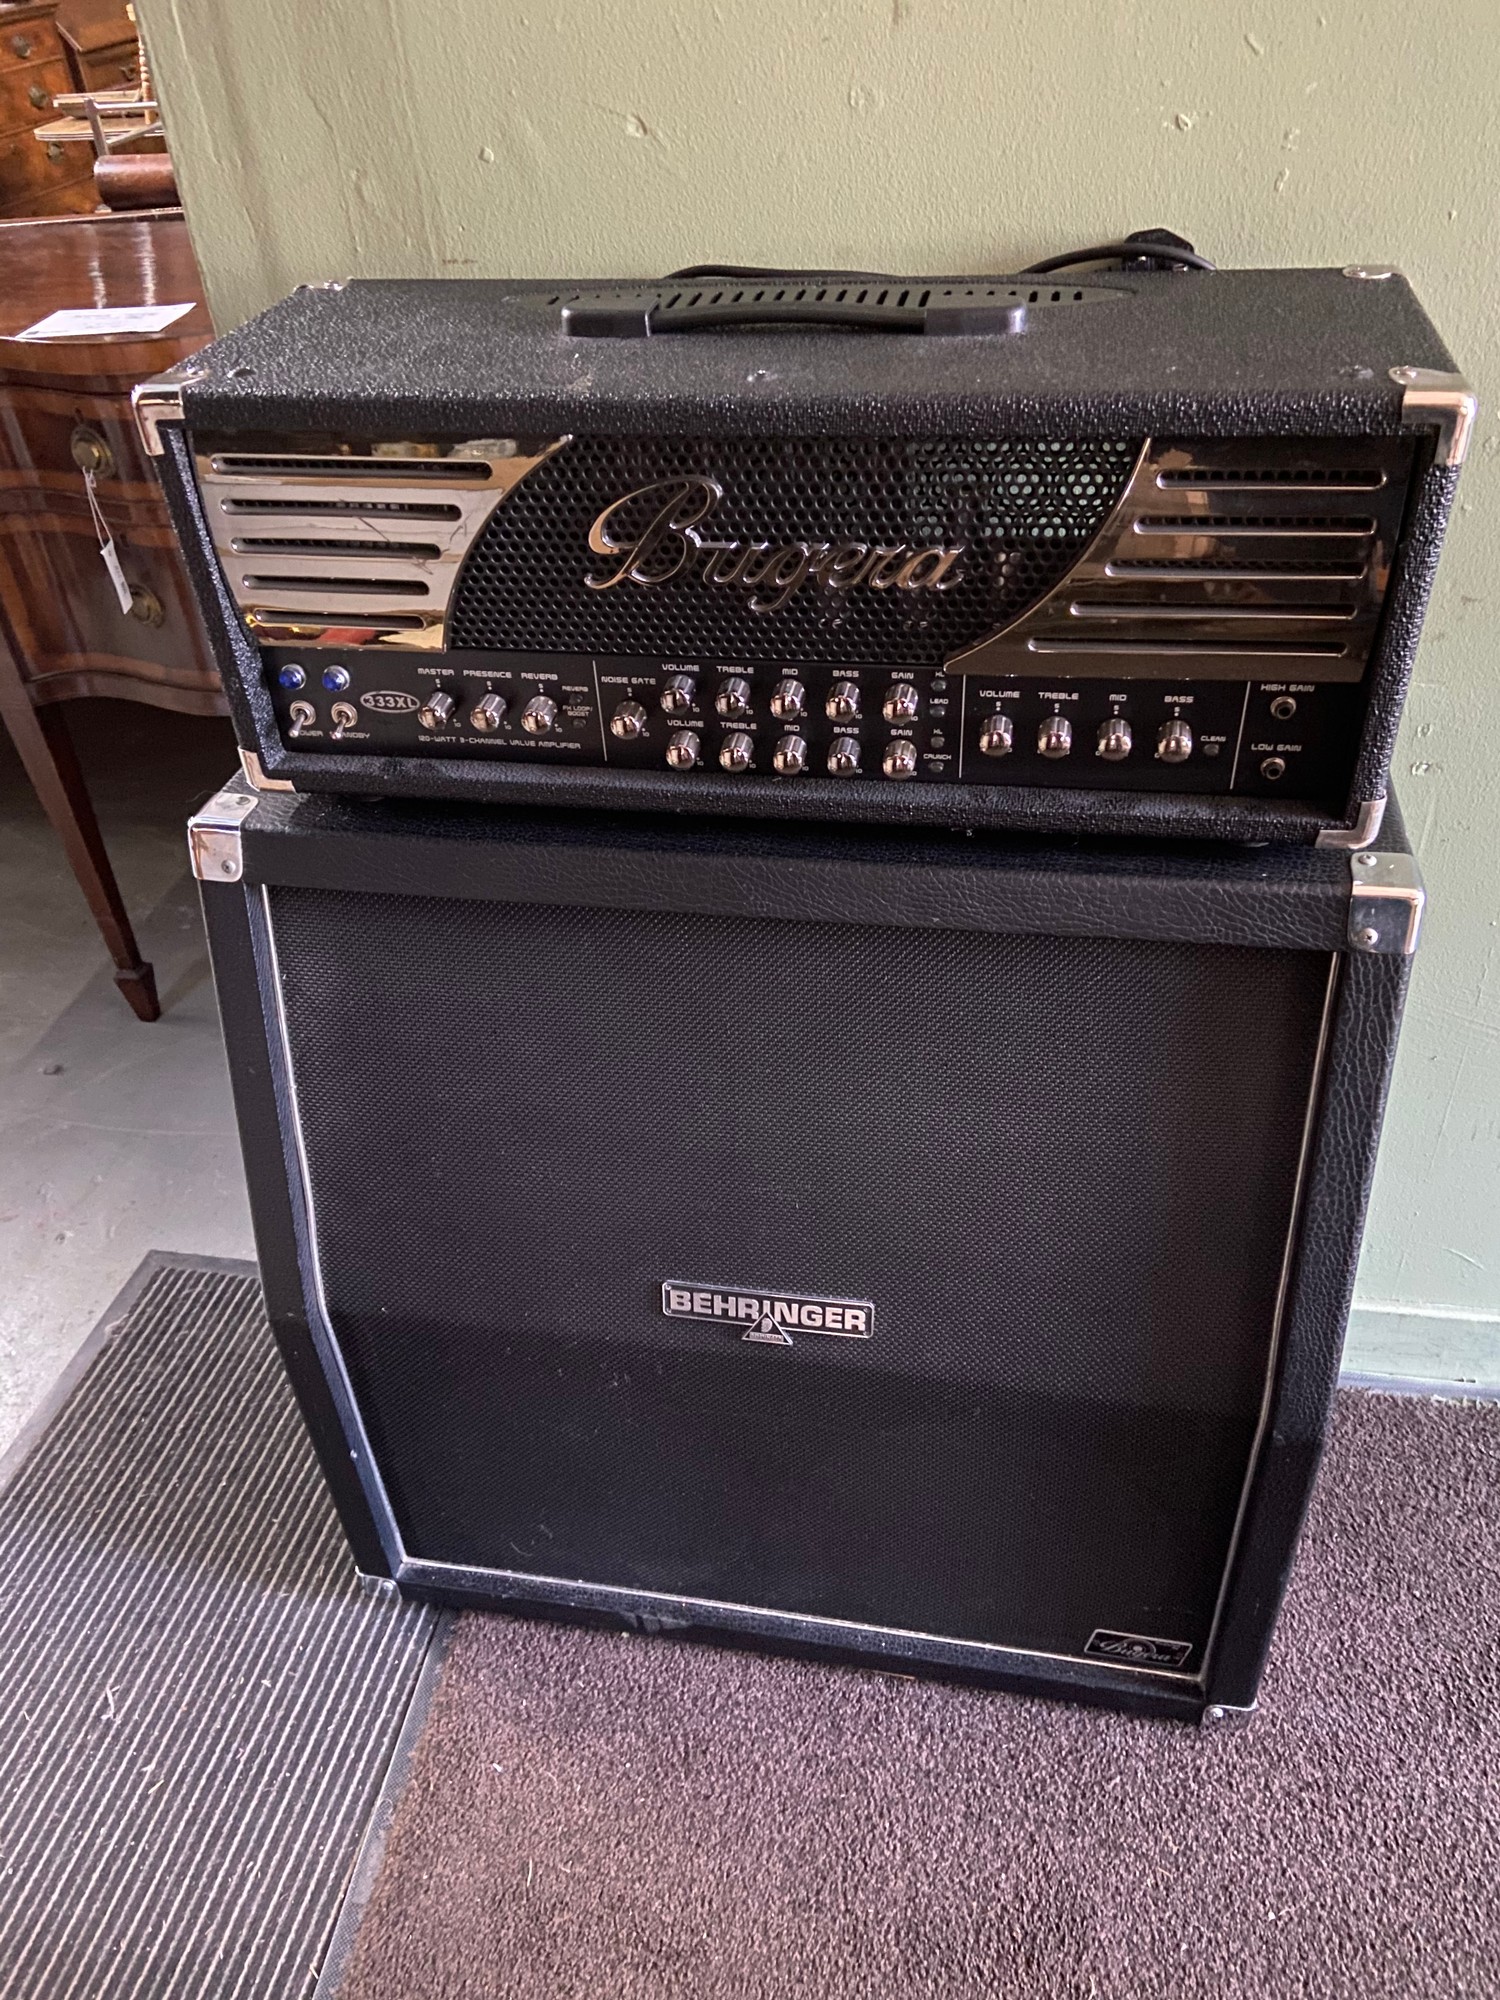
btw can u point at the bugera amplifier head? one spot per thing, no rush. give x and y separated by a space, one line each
1147 553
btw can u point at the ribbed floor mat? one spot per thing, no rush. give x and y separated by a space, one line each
199 1703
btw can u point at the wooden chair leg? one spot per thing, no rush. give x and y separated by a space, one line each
46 750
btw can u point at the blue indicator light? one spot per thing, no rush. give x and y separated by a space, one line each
290 676
335 679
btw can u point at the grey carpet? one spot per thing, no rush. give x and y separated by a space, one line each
199 1704
590 1814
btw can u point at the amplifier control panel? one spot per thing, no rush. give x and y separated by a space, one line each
1255 738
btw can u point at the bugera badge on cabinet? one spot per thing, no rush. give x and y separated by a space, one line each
1145 553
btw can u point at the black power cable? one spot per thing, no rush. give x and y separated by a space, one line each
1145 249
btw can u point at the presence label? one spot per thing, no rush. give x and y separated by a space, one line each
772 1317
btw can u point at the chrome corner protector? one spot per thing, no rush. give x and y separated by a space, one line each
1224 1716
385 1588
1366 825
214 835
1432 397
255 774
155 403
158 401
1386 898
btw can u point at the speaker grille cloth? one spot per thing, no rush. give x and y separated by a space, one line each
1061 1168
1025 507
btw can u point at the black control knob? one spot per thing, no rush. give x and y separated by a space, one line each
437 711
733 698
789 701
903 703
790 756
628 721
997 738
683 749
843 756
539 715
679 692
1055 736
843 701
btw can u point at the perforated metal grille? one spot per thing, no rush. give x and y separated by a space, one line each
1023 509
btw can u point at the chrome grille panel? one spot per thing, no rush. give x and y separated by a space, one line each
371 582
1224 560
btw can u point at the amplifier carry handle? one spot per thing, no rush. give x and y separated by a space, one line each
945 311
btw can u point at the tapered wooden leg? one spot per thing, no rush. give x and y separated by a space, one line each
46 750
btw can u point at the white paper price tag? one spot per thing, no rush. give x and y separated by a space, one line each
107 547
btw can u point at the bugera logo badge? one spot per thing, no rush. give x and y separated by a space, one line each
772 1317
670 544
1131 1649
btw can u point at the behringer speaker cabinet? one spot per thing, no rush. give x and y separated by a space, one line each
906 1250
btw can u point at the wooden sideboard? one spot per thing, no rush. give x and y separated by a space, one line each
37 179
64 408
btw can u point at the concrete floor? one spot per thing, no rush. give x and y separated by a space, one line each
116 1137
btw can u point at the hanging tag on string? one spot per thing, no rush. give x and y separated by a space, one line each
107 547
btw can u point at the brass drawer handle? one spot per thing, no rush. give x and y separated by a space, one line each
91 453
39 97
54 151
146 605
23 45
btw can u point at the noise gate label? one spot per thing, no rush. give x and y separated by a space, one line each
772 1317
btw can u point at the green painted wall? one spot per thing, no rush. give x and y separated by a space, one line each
380 137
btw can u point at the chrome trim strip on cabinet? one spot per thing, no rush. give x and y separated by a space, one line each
353 544
577 1593
319 1325
1283 1291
